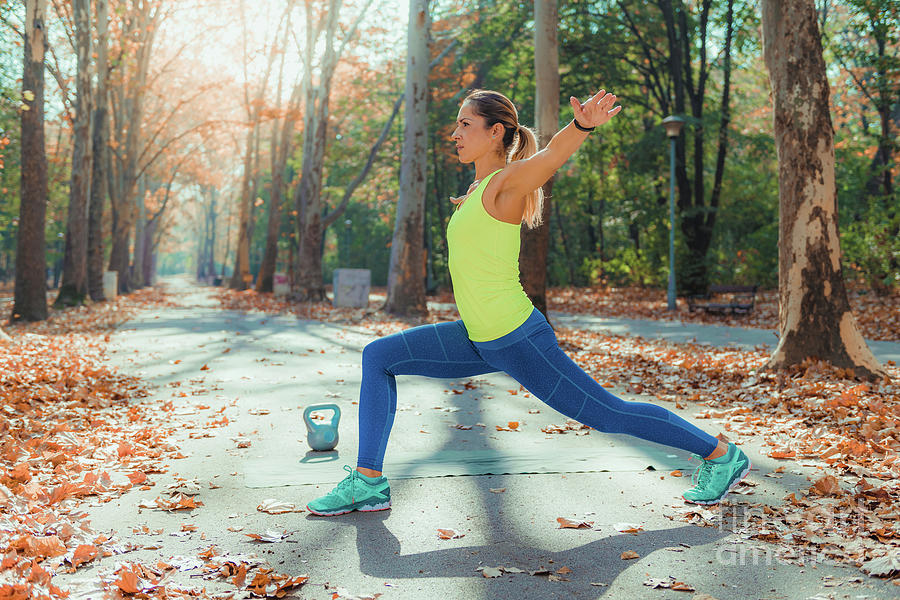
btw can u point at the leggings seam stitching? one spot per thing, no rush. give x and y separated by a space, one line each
405 343
450 362
437 334
547 360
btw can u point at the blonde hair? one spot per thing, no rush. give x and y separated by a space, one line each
519 142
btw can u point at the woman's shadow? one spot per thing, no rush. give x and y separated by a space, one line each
381 554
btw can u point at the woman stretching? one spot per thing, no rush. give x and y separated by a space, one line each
500 329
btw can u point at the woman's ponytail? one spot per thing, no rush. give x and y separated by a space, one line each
526 146
519 142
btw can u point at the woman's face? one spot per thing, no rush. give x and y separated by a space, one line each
472 137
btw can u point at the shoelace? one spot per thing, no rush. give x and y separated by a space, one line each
349 482
702 472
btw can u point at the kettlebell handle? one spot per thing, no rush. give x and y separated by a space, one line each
314 407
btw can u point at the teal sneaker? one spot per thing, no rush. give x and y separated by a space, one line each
355 492
715 478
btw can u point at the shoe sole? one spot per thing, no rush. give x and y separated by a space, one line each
730 487
373 508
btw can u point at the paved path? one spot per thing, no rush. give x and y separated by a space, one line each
264 369
714 335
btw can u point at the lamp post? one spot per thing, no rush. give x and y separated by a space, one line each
673 127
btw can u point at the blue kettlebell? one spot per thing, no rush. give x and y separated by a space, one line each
322 436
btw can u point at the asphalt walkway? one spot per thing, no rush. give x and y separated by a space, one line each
502 490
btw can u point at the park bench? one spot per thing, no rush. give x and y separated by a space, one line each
721 299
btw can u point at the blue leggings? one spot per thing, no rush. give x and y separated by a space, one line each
531 355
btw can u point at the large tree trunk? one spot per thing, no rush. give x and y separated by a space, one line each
30 297
74 289
139 30
533 255
242 277
99 164
814 313
406 277
280 147
307 284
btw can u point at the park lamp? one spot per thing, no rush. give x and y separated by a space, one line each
673 126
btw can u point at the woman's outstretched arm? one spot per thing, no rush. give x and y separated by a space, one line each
524 176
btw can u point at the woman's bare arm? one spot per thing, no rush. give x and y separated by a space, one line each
521 177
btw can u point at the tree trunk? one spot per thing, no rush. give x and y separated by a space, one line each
30 297
211 239
281 145
241 276
147 261
814 314
307 284
140 26
99 164
406 277
137 274
533 255
73 290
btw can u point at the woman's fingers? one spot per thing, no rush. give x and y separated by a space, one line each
597 110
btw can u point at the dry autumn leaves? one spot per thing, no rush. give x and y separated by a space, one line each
75 431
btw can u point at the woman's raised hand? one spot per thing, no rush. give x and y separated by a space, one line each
596 111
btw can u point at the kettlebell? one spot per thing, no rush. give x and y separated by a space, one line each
322 436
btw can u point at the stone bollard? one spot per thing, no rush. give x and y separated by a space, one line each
110 284
280 285
351 287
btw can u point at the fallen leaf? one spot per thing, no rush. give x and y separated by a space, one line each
627 528
449 534
629 554
84 553
510 426
270 536
276 507
565 523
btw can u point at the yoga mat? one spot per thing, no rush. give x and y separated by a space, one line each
327 467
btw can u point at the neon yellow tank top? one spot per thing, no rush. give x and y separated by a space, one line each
484 268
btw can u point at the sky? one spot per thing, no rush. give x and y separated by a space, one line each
216 36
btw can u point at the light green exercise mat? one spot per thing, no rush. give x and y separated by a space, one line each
325 467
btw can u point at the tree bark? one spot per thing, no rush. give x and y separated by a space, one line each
138 34
814 313
280 148
307 284
74 289
137 272
533 255
100 162
242 277
406 277
30 296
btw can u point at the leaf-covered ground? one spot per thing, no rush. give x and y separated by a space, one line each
75 431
